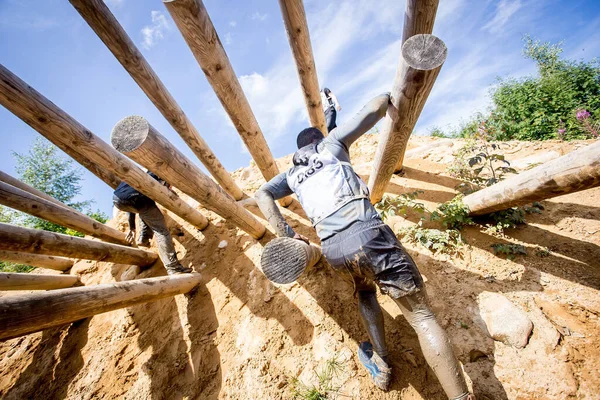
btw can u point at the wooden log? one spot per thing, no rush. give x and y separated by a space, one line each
23 314
26 240
36 260
85 147
197 29
573 172
419 18
136 138
16 281
420 63
6 178
108 29
21 200
296 26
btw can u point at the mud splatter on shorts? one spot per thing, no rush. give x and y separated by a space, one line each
369 253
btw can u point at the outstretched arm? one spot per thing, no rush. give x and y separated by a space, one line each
276 188
336 103
366 118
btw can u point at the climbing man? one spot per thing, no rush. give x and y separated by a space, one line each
330 107
127 199
357 243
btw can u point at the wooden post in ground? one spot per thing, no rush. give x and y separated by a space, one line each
578 170
35 241
136 138
27 313
85 147
197 29
16 281
419 18
6 178
108 29
294 19
420 63
36 260
21 200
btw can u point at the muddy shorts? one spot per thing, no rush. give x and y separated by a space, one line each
369 253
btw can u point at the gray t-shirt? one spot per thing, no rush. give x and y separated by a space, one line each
338 143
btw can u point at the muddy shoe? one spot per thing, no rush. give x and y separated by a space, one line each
381 373
178 269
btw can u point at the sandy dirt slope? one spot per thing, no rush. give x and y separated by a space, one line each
240 337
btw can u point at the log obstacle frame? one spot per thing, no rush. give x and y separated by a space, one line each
36 260
24 281
112 34
66 216
28 313
35 241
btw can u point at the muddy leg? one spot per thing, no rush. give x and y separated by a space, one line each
372 319
434 344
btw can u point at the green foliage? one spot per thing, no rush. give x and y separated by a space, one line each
479 163
453 214
510 250
511 218
99 216
390 206
324 389
12 267
543 252
436 131
437 241
563 101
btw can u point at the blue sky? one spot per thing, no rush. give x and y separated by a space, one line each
355 43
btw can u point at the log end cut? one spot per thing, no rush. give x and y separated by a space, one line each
130 133
424 52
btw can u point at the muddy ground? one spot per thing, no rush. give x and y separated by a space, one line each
240 337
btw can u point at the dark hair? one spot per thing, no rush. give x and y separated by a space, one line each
326 91
307 136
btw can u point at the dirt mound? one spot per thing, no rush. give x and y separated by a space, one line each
241 337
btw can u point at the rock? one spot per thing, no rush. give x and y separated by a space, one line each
223 244
504 321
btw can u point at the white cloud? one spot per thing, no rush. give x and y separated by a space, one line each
154 32
227 38
232 24
258 16
504 11
115 3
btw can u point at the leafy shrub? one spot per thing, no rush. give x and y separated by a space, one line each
12 267
453 214
390 206
324 389
435 240
510 250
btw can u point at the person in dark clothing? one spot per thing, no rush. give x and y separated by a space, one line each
360 246
331 106
127 199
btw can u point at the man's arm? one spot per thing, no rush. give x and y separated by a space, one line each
276 188
336 103
131 234
366 118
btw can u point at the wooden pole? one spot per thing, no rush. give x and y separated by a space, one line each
419 18
136 138
197 29
578 170
36 260
296 26
21 200
26 240
23 314
85 147
16 281
108 29
6 178
420 63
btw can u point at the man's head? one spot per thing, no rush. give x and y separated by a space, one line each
309 136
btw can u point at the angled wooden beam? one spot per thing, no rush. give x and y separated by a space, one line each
6 178
419 18
197 29
35 241
36 260
17 281
573 172
137 139
296 26
420 63
85 147
26 202
23 314
108 29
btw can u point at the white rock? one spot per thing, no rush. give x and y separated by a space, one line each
504 321
223 244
